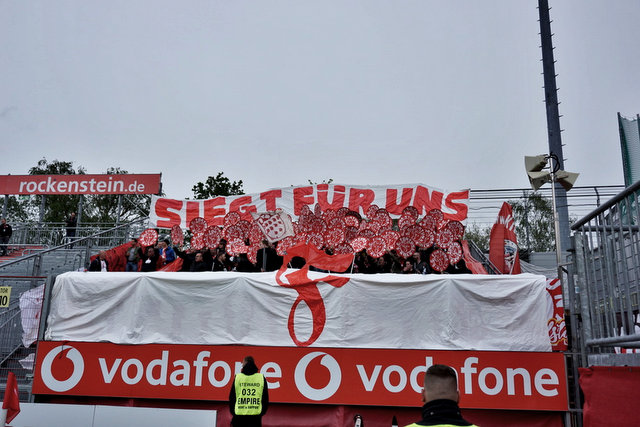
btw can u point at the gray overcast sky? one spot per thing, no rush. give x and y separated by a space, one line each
275 93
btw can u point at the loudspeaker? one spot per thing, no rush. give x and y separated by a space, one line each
538 179
566 179
535 163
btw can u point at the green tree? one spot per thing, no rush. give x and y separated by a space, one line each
218 185
479 235
103 208
19 208
533 216
57 207
324 181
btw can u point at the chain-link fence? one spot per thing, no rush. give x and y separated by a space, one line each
21 300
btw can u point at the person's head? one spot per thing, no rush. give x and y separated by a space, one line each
102 255
416 256
73 214
151 251
134 242
4 221
198 257
440 382
249 366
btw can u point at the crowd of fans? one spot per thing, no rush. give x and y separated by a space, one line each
408 245
160 255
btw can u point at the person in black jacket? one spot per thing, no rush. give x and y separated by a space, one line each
100 263
71 223
5 234
440 396
149 260
198 263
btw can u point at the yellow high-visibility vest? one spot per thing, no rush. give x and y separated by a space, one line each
249 394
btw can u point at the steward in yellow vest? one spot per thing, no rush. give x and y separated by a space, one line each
249 396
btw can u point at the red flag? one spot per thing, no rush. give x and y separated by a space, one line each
175 265
503 243
11 398
556 323
474 265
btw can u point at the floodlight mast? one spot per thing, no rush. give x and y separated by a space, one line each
555 167
553 117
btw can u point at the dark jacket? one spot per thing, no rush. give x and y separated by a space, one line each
71 224
95 265
6 230
441 412
152 265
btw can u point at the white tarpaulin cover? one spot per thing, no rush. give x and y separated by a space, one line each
449 312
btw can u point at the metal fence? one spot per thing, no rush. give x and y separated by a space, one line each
69 256
605 286
20 320
29 234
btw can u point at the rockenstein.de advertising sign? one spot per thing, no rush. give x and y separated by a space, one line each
80 184
383 377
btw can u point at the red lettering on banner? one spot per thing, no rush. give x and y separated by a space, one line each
338 197
170 218
425 202
238 204
193 211
461 209
361 198
302 196
270 198
213 215
392 195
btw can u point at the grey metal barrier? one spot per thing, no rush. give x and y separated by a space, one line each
607 272
55 234
73 255
20 318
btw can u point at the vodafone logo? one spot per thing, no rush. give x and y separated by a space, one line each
47 363
353 376
335 375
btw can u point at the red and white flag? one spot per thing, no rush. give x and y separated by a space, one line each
503 243
275 225
11 402
556 323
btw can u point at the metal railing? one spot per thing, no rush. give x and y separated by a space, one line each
606 285
484 260
73 255
55 234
